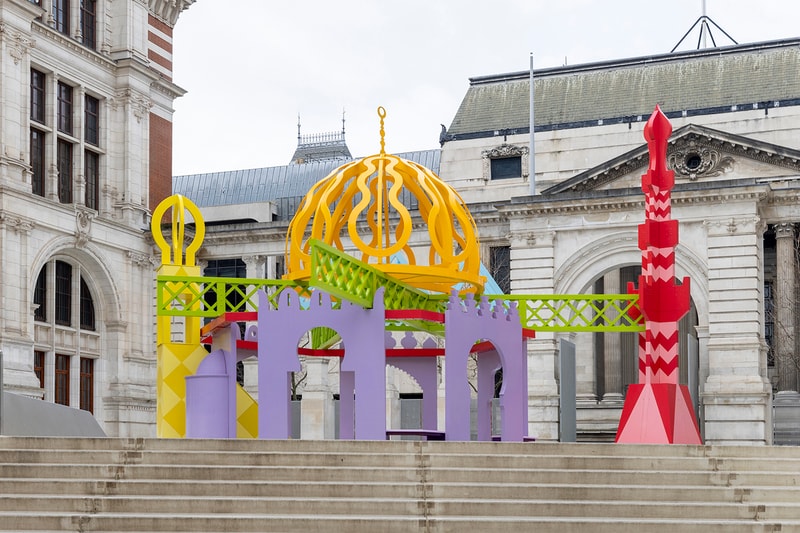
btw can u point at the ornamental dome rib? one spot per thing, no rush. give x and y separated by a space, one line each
359 205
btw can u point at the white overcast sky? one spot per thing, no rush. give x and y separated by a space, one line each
251 66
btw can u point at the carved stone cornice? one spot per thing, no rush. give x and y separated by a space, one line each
74 46
20 225
628 202
167 11
694 153
141 260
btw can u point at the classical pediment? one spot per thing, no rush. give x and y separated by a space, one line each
695 153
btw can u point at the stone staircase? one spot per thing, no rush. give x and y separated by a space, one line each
72 484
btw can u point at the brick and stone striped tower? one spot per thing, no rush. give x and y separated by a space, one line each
162 17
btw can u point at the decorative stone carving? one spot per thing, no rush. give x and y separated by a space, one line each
18 224
140 260
83 226
505 150
18 43
168 10
697 160
138 103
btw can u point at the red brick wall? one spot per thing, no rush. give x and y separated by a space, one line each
160 159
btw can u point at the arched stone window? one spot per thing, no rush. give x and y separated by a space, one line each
66 337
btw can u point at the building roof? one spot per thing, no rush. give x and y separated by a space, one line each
684 83
284 185
322 147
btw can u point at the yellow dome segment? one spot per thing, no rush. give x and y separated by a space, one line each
360 203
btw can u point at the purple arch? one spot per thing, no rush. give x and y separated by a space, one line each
362 332
465 323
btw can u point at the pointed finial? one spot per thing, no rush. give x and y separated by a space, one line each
298 128
343 110
382 115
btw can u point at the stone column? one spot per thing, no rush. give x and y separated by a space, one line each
612 348
254 265
785 356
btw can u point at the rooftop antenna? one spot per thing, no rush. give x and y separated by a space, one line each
705 31
298 128
343 110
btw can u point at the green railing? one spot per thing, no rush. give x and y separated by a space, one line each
192 296
212 297
355 281
577 312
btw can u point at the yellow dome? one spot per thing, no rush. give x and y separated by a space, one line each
359 204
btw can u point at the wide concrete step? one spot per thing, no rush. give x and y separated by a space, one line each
396 459
387 473
321 523
217 485
396 506
401 447
358 489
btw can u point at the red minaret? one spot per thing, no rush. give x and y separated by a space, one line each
658 410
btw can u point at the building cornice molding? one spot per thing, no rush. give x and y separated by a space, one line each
626 200
167 11
94 56
715 153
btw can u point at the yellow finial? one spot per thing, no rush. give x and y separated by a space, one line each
382 115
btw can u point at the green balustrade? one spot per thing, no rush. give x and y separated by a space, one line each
348 279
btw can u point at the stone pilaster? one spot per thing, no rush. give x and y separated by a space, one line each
532 268
737 399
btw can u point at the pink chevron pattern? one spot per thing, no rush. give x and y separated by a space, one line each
657 410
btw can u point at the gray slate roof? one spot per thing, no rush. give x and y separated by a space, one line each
696 82
285 185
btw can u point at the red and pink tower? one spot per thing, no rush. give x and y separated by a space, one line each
658 410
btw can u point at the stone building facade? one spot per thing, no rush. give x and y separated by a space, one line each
85 127
736 153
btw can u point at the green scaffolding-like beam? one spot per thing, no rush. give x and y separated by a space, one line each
349 279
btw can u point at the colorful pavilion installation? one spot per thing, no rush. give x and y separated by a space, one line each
373 310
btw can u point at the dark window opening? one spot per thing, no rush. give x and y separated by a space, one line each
87 384
62 379
87 307
91 130
63 293
61 16
693 161
37 96
506 168
227 268
37 162
500 267
91 173
40 296
88 17
64 108
38 367
64 165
